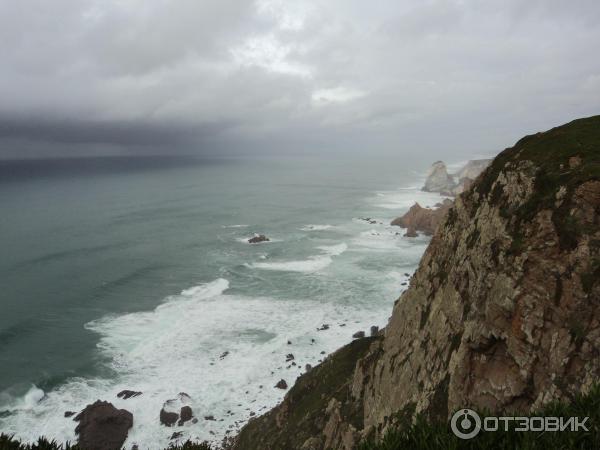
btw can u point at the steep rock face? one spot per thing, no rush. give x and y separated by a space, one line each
503 312
438 179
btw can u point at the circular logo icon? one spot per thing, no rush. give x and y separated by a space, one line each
465 424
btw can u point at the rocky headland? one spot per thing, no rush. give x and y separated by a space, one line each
422 219
439 180
503 313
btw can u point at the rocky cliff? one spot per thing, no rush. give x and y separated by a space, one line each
439 180
503 312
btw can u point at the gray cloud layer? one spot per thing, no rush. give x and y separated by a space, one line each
204 76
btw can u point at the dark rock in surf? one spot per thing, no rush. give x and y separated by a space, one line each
359 335
185 415
70 413
102 426
127 394
258 238
281 384
168 418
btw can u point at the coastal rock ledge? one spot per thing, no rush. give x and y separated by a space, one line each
502 314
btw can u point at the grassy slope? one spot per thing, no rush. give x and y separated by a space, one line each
423 435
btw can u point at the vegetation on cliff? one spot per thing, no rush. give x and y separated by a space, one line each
422 434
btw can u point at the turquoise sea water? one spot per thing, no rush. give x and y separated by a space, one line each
135 274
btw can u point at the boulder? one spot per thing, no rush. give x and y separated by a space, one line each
168 418
359 335
185 414
69 413
102 426
374 330
258 238
281 384
173 408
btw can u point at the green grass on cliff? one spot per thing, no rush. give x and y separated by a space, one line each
424 435
551 153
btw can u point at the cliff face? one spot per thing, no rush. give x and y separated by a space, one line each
503 312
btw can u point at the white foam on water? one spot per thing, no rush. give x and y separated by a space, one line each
316 227
235 226
403 199
312 264
181 347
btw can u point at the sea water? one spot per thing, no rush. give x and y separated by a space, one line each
136 273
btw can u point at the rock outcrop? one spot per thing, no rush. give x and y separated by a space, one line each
502 314
422 219
438 179
102 426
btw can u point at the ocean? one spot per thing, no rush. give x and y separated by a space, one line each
135 273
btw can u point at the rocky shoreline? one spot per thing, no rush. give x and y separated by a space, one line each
502 315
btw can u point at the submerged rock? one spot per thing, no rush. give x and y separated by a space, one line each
102 426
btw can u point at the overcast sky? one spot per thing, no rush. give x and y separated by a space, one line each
208 76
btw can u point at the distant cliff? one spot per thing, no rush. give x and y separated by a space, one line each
503 312
439 180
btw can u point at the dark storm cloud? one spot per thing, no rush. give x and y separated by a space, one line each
114 132
418 75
